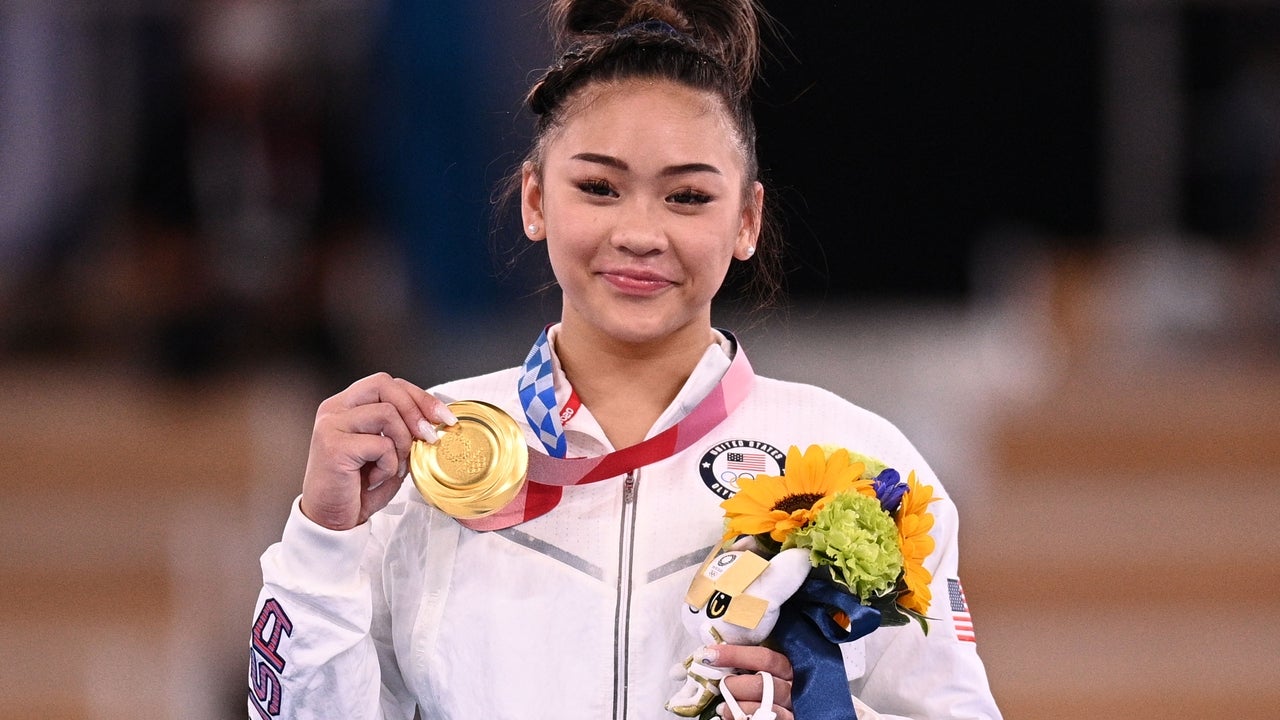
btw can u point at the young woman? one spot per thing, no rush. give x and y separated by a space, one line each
642 184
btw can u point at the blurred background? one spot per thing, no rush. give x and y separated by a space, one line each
1043 238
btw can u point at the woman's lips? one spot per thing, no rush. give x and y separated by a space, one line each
636 282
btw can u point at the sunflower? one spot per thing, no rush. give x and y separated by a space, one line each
914 524
778 505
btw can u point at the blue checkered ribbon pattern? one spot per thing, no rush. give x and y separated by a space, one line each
538 396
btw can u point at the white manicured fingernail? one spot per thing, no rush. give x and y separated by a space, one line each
706 655
426 432
446 416
375 485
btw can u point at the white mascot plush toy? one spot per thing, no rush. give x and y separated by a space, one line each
734 599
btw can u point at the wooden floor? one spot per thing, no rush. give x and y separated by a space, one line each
1120 556
136 513
1129 565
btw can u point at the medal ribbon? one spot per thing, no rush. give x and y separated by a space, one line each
537 390
550 473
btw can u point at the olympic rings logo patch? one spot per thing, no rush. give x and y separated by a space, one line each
725 464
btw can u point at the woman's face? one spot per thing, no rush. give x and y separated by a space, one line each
640 197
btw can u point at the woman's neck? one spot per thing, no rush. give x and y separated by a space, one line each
627 386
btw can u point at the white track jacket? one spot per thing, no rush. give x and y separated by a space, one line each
574 614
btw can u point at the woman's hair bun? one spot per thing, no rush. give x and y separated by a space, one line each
574 18
728 31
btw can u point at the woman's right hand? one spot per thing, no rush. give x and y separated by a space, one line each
360 448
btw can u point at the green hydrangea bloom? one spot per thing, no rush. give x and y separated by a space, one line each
857 541
872 467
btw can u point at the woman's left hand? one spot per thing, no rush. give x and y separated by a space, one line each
748 689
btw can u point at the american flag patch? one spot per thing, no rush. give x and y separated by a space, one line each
960 611
751 462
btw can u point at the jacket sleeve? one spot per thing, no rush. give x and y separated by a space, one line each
938 675
312 652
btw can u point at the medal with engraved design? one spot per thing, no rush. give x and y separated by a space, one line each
476 467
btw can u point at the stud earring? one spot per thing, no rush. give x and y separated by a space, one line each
533 229
751 250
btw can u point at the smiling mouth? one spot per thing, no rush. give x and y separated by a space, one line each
634 283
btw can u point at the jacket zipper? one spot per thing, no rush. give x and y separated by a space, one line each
622 622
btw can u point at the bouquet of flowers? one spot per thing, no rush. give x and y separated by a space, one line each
862 523
867 533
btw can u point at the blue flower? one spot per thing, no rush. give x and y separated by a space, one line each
889 489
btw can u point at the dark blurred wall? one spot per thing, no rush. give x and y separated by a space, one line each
445 129
277 178
1231 71
898 134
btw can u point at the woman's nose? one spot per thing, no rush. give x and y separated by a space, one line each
639 229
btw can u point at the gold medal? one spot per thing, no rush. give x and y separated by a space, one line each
476 467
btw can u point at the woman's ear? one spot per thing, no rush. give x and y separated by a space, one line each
752 219
531 202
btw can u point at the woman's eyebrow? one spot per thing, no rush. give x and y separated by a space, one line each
618 164
606 160
688 168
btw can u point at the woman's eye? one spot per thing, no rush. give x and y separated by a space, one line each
689 197
597 187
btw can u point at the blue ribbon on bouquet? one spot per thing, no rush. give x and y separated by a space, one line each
809 636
